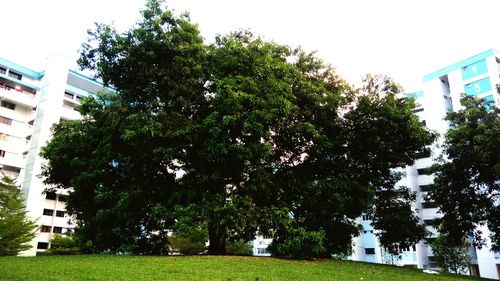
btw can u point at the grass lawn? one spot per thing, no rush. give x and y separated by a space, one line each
103 267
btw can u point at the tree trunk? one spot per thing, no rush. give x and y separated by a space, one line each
216 237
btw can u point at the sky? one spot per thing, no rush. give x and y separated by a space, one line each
403 39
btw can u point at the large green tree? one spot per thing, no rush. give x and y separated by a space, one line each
16 229
467 183
244 135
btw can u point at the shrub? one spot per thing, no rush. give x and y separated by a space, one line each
60 245
239 248
299 244
192 243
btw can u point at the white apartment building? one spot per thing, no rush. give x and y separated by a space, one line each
30 103
442 90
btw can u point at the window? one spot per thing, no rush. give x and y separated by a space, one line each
42 245
428 222
370 251
4 137
416 110
78 98
367 217
2 153
68 95
425 171
3 70
63 198
57 229
45 228
48 212
60 214
15 75
8 105
262 251
267 236
423 123
5 120
429 205
425 187
431 258
50 195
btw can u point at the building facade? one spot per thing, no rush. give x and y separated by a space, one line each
30 103
441 92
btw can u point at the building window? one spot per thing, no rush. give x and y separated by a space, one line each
15 75
45 228
428 222
63 198
4 137
57 229
42 245
367 217
262 251
8 105
425 171
370 251
2 153
425 187
60 214
50 195
68 95
3 70
429 205
48 212
6 121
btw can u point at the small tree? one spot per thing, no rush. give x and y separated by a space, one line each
16 230
454 259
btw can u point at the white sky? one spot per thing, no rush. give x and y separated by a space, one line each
404 39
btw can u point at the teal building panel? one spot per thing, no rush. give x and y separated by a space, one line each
478 87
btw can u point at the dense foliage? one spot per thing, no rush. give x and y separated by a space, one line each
16 229
451 257
242 135
467 183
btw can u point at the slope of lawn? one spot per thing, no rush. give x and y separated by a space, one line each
103 267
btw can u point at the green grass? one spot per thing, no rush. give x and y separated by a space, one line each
102 267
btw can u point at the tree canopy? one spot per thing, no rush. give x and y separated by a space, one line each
16 229
243 134
467 183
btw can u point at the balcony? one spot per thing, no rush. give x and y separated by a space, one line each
18 97
14 160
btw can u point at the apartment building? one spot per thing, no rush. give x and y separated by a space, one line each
441 92
30 103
